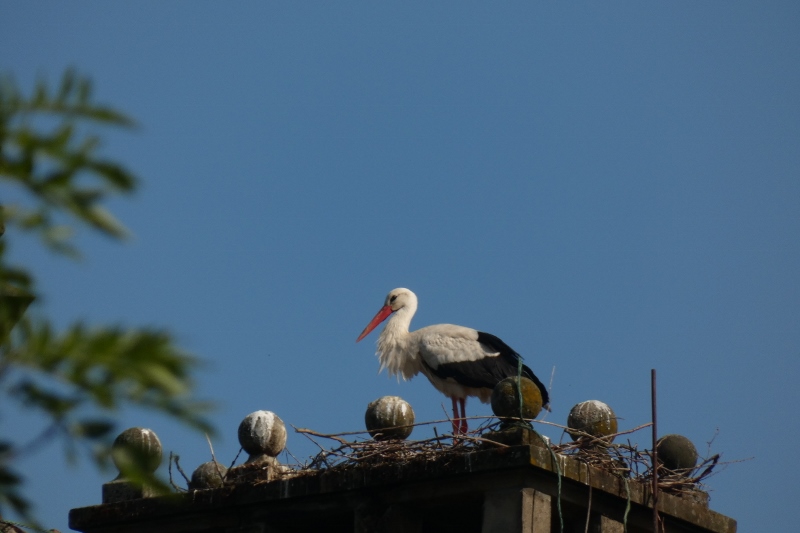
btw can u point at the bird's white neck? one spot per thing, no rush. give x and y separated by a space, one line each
397 351
400 320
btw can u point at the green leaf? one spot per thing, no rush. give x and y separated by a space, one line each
67 83
79 376
30 154
92 428
9 494
32 395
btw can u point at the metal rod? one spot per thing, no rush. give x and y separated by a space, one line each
655 450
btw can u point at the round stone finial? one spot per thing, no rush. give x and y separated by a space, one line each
139 447
385 414
593 417
676 452
261 434
516 397
210 475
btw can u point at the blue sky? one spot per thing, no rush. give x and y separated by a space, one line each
609 187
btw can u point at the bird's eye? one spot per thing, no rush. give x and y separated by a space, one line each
392 299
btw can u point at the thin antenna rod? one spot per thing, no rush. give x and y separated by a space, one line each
655 450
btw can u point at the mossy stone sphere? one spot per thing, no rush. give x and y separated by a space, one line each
385 414
592 417
506 398
676 452
208 475
137 446
262 433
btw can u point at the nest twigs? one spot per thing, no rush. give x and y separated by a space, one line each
371 452
625 460
684 480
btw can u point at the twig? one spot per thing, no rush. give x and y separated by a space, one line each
178 466
713 437
479 439
211 447
175 457
214 458
549 390
230 468
290 454
314 433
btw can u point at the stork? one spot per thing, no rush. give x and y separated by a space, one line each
458 361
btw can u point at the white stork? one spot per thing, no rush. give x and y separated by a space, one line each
458 361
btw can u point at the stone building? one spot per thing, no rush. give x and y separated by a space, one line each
519 486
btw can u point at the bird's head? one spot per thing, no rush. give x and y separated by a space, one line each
397 299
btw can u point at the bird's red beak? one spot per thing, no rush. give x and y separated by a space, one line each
385 311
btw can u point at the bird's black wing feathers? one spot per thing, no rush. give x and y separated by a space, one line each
489 371
513 359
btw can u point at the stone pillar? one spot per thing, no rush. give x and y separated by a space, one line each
516 510
262 435
608 525
375 517
134 448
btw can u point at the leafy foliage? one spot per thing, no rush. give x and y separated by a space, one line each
76 378
53 165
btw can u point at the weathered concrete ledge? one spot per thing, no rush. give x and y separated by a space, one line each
450 477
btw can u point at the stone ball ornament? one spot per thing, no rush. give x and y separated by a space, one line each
676 452
138 447
210 475
594 418
389 417
516 397
134 450
262 435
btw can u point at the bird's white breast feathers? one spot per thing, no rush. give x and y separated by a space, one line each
397 355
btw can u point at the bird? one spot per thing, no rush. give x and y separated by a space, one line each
458 361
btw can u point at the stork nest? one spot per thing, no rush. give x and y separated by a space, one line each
628 461
357 450
338 452
367 452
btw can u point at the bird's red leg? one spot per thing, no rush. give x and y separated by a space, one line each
456 425
464 427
